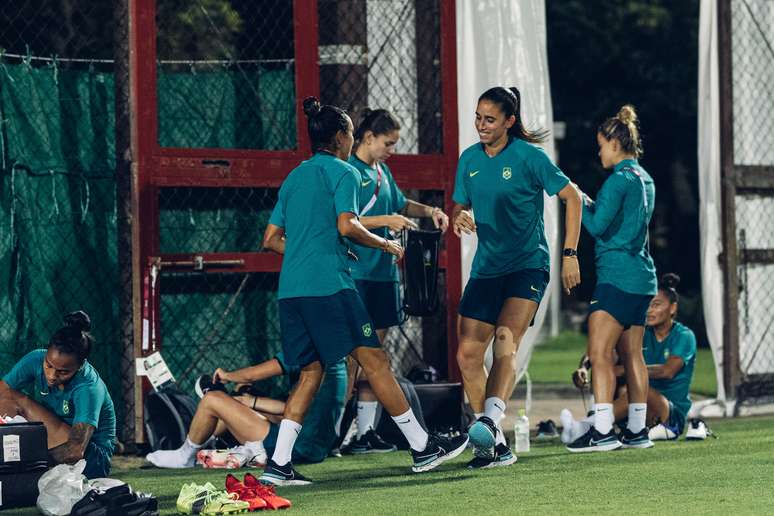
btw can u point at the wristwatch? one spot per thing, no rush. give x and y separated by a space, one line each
569 252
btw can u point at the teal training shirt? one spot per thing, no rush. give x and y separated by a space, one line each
374 264
680 342
319 431
310 200
84 399
506 195
618 221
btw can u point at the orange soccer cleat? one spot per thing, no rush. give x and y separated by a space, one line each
266 492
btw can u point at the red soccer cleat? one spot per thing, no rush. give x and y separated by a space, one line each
266 492
246 494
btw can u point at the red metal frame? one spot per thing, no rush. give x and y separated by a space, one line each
159 167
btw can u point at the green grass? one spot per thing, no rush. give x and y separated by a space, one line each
555 360
729 475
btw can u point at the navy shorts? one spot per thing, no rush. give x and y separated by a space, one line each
628 309
484 298
382 301
676 419
324 329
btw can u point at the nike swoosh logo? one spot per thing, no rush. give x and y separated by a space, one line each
366 183
593 442
533 289
421 457
639 409
474 173
404 422
594 301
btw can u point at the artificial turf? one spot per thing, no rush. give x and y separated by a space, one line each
733 474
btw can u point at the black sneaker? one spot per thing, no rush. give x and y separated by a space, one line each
282 475
369 442
593 441
204 384
546 430
483 433
500 456
439 449
639 440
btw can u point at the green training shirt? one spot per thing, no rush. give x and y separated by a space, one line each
680 342
618 221
506 195
310 200
374 264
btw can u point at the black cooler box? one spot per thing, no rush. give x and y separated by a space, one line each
23 460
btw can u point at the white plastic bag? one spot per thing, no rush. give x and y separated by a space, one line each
61 487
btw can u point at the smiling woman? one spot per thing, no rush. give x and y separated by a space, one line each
67 395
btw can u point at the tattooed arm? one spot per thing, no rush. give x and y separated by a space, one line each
73 450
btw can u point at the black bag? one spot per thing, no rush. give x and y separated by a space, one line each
420 271
116 501
386 426
23 460
168 414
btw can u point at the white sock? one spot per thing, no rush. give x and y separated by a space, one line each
366 416
183 457
603 417
412 430
500 437
288 433
636 417
494 409
478 414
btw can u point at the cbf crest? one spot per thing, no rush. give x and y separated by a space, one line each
65 407
507 173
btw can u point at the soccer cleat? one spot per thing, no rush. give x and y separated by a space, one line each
662 432
233 485
593 441
438 450
282 475
697 430
231 458
370 442
483 433
501 456
546 430
206 499
639 440
204 384
266 492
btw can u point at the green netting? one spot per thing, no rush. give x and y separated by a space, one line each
58 212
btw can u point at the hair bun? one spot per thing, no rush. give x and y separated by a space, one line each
79 320
311 106
670 280
627 114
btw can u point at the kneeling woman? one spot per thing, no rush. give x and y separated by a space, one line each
70 398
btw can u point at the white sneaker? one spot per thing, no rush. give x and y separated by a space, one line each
566 419
661 432
697 430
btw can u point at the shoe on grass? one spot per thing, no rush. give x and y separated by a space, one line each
282 475
593 441
500 456
662 432
438 450
697 430
369 442
639 440
266 492
483 433
546 430
206 499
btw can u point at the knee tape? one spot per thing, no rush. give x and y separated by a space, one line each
505 344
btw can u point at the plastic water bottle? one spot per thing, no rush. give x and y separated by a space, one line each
521 432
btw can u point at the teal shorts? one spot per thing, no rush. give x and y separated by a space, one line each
628 309
484 298
98 459
324 329
382 300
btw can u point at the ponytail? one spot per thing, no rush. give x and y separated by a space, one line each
509 101
324 122
74 337
624 127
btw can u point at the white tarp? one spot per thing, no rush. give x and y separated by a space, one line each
503 43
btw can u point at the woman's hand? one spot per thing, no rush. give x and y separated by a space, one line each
464 223
393 247
221 376
570 273
580 377
397 222
440 219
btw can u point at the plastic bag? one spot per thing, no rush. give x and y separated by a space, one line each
61 487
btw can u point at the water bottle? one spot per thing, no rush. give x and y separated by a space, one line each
521 433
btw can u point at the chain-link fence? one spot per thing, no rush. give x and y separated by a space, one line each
752 56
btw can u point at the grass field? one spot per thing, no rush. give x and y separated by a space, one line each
729 475
555 360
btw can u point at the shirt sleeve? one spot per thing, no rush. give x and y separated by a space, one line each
88 401
596 220
278 213
460 195
286 369
345 197
685 347
548 175
23 373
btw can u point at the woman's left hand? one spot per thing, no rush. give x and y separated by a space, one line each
440 219
570 273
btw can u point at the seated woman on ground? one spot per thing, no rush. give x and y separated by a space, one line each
67 395
669 349
254 420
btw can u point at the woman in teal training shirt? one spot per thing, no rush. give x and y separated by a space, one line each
322 318
383 208
626 282
67 396
501 180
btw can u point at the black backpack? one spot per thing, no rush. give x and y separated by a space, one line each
168 415
420 272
